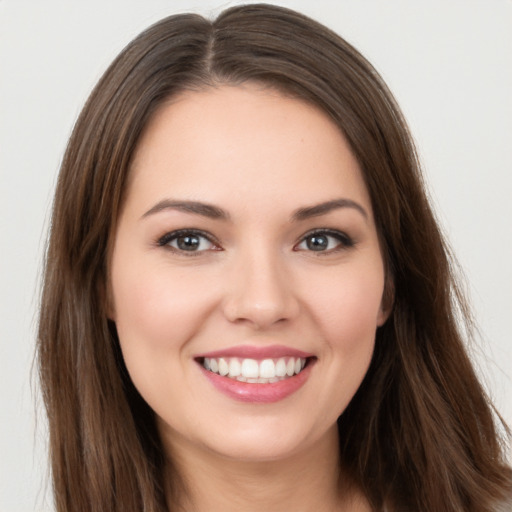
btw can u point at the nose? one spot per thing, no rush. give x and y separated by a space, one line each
260 292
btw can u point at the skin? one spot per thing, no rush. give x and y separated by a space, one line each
260 156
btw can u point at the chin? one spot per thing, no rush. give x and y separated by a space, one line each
268 441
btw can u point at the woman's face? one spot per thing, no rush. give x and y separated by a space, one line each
246 275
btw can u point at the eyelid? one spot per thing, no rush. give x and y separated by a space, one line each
165 240
345 241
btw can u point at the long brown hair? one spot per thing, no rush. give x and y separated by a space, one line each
419 434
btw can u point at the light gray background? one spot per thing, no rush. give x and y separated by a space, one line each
448 63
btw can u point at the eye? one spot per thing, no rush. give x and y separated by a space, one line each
324 241
188 240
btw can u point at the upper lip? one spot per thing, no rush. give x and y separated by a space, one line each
256 352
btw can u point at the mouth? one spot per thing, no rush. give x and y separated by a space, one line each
257 374
253 371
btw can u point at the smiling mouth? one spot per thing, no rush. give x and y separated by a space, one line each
253 371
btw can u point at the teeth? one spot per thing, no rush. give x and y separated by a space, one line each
268 369
290 367
235 368
253 371
223 367
280 368
250 369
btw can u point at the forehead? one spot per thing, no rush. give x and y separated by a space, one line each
246 139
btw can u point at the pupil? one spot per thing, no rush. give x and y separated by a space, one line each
317 243
188 243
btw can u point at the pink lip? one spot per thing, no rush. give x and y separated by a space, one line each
258 393
257 352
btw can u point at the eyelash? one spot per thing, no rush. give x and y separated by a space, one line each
166 240
345 242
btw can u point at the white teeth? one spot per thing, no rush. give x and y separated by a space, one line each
268 369
253 371
290 367
250 369
223 367
235 368
281 367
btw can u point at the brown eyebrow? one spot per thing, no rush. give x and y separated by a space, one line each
328 206
203 209
214 212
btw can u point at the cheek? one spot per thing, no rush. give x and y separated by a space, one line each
153 313
349 308
156 317
348 320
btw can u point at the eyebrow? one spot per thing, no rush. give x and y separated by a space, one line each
327 207
203 209
215 212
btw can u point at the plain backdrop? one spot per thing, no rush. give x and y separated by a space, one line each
448 62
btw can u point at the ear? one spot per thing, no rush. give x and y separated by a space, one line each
387 302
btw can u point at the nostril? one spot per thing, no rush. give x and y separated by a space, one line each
260 298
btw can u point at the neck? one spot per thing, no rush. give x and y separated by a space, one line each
307 481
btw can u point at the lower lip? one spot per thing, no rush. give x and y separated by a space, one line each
259 393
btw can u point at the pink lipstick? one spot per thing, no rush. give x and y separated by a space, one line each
257 374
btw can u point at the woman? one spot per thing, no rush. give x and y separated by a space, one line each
248 303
